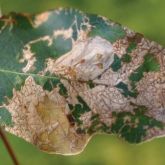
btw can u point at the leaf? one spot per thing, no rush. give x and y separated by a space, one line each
66 75
116 65
5 117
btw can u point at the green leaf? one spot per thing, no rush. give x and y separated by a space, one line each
126 58
116 65
131 47
105 29
125 91
5 117
133 127
150 64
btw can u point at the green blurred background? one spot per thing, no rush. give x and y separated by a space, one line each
145 16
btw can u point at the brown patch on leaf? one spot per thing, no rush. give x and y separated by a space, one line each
40 117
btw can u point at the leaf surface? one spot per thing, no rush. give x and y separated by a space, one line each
66 75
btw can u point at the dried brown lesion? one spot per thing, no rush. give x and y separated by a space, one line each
41 118
59 136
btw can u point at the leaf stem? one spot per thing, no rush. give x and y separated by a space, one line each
8 147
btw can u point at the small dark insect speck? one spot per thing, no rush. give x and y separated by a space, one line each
71 119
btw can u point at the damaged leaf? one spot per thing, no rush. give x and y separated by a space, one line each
66 75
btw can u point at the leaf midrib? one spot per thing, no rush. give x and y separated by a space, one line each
27 74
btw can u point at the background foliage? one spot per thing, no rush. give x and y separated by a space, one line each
146 17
